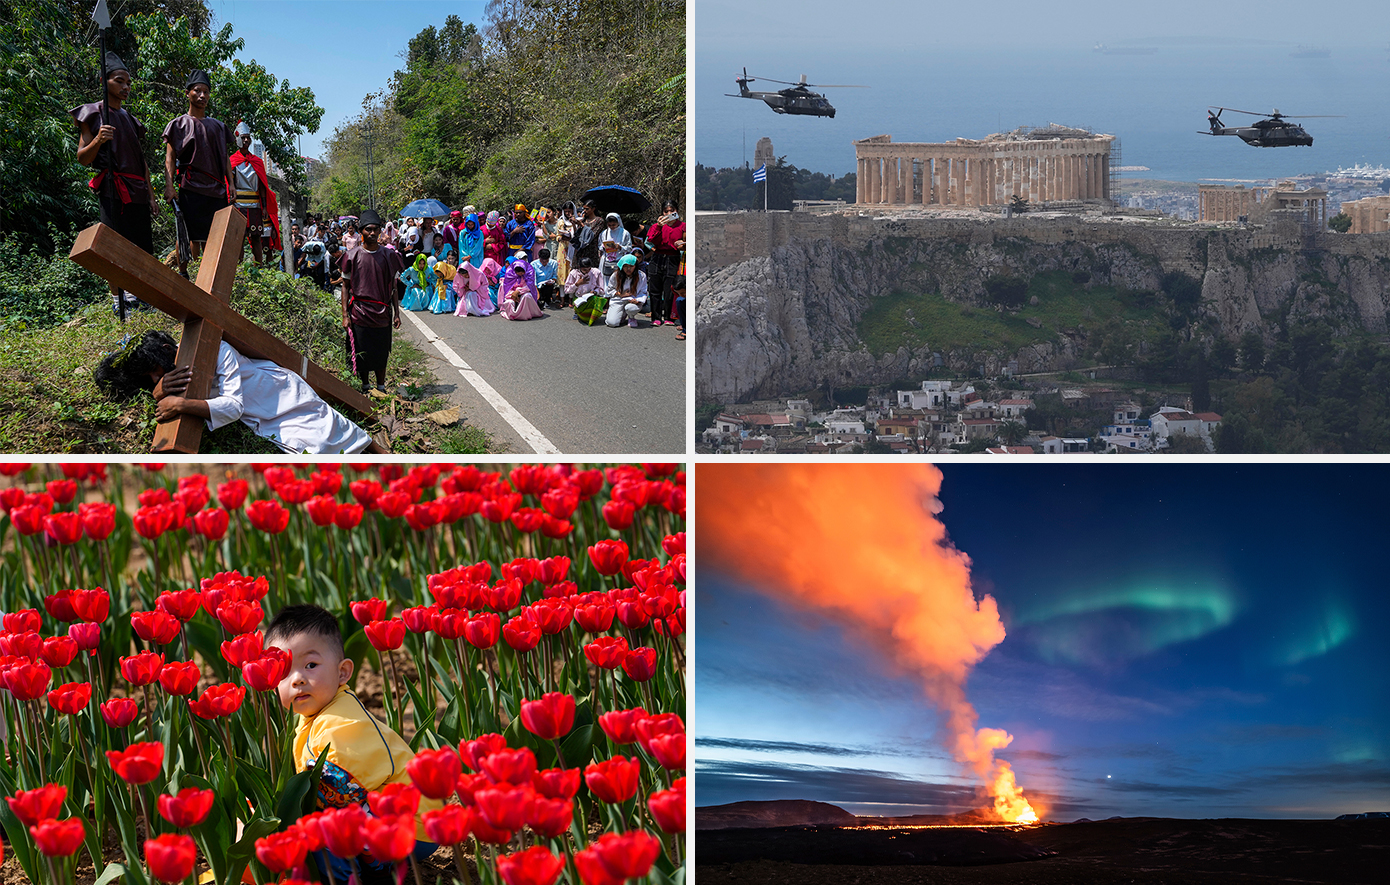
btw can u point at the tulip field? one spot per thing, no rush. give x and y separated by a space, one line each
521 628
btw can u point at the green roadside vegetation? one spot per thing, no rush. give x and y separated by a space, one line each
49 348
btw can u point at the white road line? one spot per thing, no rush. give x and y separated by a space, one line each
528 432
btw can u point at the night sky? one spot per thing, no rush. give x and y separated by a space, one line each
1182 641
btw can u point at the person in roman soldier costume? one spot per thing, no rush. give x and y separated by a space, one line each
250 192
109 141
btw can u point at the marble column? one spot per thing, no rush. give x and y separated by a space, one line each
859 180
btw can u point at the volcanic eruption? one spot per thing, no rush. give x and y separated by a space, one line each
862 542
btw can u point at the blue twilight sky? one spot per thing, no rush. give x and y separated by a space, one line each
341 49
1184 641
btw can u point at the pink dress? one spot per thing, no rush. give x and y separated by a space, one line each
525 307
471 287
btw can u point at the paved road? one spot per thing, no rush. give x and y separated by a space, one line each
554 386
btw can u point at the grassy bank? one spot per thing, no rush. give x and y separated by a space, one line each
53 405
1064 304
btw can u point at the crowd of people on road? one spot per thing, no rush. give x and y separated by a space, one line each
519 263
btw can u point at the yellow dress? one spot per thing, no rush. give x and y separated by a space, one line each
364 754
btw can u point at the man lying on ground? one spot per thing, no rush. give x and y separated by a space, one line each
273 401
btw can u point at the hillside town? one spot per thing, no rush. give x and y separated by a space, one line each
944 417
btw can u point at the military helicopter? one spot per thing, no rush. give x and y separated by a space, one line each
798 99
1273 131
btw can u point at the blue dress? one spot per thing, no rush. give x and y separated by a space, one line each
443 300
415 298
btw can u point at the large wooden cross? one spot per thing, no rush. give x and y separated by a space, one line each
206 315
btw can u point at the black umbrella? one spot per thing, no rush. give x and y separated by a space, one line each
619 199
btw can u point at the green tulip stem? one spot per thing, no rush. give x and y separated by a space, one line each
558 755
458 862
398 693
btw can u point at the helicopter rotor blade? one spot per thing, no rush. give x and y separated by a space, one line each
1239 111
832 86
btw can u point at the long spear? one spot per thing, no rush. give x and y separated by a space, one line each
102 17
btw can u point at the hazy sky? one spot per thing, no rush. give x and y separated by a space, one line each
822 26
341 49
1189 641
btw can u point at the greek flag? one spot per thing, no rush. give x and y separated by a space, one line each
760 174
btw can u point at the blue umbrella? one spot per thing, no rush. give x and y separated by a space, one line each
425 208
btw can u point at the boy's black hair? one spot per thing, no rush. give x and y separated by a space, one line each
543 255
678 283
295 619
126 372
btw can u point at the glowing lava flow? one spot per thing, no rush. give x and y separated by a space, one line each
1009 803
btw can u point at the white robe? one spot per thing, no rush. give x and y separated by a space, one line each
279 405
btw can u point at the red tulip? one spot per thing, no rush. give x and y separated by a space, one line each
608 556
24 621
506 806
534 866
529 519
619 514
591 868
28 519
58 838
627 855
152 521
155 626
510 766
347 516
119 712
59 606
422 516
504 595
473 752
182 604
557 783
522 633
40 803
482 629
549 718
613 780
342 830
449 623
366 492
58 651
154 497
240 617
212 524
416 618
394 799
390 838
265 672
620 725
29 680
673 544
71 698
246 647
65 528
322 509
640 664
138 763
98 519
218 700
179 677
656 725
188 809
87 636
449 825
282 851
268 516
142 668
393 504
91 605
11 498
595 615
500 508
370 610
550 817
468 785
488 834
607 652
435 772
232 493
668 807
62 490
295 491
669 751
386 635
170 857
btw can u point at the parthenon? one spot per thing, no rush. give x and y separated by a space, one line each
1040 165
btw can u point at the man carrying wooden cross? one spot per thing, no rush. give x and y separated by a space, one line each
274 402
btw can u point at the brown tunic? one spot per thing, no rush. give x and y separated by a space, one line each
125 147
200 146
373 283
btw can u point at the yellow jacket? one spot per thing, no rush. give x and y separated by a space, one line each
364 754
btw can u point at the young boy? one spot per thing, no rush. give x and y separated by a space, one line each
364 754
547 270
195 157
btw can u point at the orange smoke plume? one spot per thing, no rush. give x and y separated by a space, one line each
862 541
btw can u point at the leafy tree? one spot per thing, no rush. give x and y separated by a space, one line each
1341 222
1252 351
1012 432
1223 355
1018 204
1183 444
1006 290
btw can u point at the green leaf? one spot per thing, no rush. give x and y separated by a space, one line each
299 795
112 872
240 854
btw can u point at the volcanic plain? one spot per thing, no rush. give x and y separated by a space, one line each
746 844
